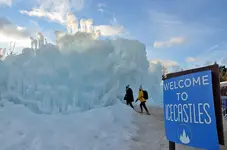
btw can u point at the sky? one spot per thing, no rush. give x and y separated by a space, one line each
176 33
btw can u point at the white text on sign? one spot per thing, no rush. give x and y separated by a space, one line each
187 112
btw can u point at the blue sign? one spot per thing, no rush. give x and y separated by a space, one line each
189 113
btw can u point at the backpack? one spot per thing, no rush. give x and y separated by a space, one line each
125 98
145 94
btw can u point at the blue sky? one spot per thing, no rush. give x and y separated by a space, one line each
176 32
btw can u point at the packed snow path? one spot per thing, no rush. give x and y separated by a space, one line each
151 133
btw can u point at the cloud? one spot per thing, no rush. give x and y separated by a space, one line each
163 18
169 43
213 47
58 11
77 4
55 10
168 65
6 2
173 25
115 28
53 16
10 30
101 10
21 42
213 53
165 63
86 25
61 5
108 30
191 59
20 28
101 7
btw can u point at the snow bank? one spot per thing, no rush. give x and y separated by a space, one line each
98 129
80 74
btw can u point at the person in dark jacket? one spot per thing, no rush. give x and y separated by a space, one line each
129 96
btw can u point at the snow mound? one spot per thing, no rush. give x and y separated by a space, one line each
78 74
21 129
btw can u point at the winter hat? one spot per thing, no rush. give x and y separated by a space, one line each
127 86
141 87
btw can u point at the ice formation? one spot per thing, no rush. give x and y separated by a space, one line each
83 25
184 138
78 74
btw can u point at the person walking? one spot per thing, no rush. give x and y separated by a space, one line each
142 100
129 96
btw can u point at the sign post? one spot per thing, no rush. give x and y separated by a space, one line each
191 108
172 145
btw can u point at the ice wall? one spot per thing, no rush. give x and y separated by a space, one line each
80 74
155 84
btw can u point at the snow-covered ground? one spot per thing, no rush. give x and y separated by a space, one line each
98 129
